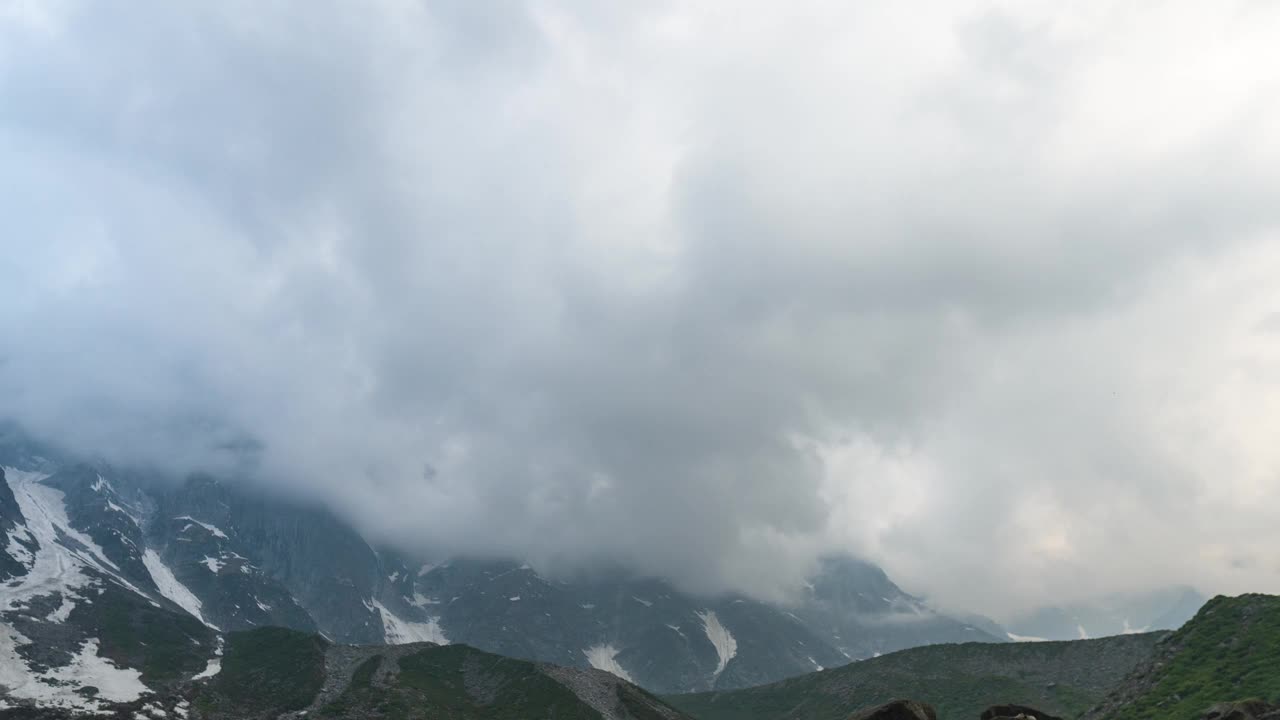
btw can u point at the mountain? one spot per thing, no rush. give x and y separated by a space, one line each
83 622
220 557
1229 651
1116 614
865 614
1061 678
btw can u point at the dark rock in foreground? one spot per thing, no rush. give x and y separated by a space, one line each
1012 712
898 710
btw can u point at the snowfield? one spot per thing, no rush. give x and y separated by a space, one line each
398 631
57 570
726 646
171 588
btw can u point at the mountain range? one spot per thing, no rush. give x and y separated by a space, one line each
117 582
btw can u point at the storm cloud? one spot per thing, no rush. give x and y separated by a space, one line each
985 293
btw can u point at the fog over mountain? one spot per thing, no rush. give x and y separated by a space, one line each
984 294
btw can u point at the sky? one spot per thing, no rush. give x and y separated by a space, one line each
984 292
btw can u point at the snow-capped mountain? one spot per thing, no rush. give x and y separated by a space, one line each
99 562
84 621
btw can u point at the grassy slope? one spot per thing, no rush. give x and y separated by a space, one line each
1229 651
1063 678
265 672
443 682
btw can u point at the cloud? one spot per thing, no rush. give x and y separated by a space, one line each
707 289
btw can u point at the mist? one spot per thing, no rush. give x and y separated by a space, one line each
984 294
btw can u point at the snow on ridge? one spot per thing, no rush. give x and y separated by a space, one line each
398 631
213 529
723 641
170 587
214 564
605 657
420 600
1024 638
100 483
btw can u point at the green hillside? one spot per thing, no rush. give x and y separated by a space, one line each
1229 651
270 672
456 681
1062 678
266 672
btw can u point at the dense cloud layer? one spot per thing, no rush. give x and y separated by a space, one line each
985 293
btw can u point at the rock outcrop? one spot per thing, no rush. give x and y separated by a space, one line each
1015 712
1243 710
898 710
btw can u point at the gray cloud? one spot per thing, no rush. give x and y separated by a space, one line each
708 290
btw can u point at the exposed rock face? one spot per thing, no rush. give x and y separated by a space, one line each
898 710
1015 712
1243 710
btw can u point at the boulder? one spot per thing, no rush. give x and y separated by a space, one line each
1015 712
1242 710
897 710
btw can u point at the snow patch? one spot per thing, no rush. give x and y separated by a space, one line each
214 564
170 587
420 600
57 687
726 646
213 667
63 612
213 529
1025 638
677 629
398 631
604 657
514 598
1084 634
642 601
